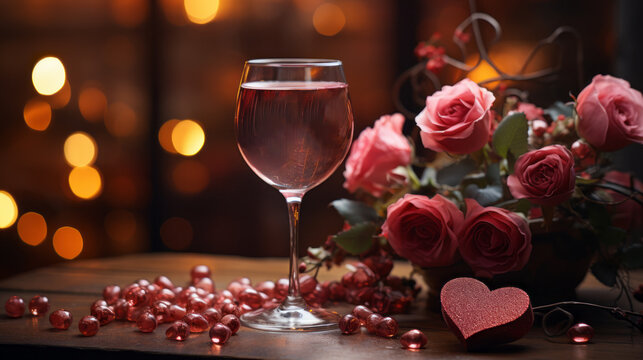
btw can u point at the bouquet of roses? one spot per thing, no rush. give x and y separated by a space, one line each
495 173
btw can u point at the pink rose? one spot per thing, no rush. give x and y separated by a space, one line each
531 111
610 113
456 118
545 176
494 240
423 230
628 214
375 154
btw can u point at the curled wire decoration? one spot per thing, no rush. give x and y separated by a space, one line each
421 80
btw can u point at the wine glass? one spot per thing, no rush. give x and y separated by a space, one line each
294 126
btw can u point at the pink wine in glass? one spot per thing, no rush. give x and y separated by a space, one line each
294 134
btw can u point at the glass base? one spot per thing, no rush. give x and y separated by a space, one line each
292 315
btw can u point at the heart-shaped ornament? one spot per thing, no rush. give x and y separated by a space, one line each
481 318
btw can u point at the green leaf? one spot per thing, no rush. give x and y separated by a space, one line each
511 136
583 181
559 108
605 273
453 174
355 212
358 239
633 256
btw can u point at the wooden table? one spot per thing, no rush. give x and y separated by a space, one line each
75 285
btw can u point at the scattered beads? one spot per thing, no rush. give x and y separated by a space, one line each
413 339
15 307
361 312
146 322
179 331
104 314
580 333
387 327
88 325
349 324
232 322
39 305
219 334
372 321
111 293
212 315
60 319
197 322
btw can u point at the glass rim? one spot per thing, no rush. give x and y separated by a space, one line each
277 62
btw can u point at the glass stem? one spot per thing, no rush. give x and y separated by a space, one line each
294 203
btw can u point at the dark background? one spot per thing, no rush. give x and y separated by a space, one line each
147 57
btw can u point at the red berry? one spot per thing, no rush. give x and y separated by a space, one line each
251 298
380 302
111 293
146 322
266 287
197 322
88 325
372 321
199 271
212 315
302 267
336 291
39 305
219 334
582 149
380 264
179 331
349 324
387 327
232 322
413 339
539 127
60 319
307 284
362 313
104 314
363 276
15 307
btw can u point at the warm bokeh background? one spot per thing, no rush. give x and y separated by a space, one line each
136 151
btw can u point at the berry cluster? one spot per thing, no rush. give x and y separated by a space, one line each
379 325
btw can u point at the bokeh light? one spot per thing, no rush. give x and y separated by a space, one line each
61 98
188 137
32 228
483 72
165 135
201 11
92 104
80 149
176 233
37 114
121 120
68 242
328 19
85 182
190 176
8 210
48 75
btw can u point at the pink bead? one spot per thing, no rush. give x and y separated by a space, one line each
133 312
363 276
15 307
212 315
307 284
413 339
266 287
199 271
372 321
121 308
232 322
349 324
206 284
164 282
138 296
104 314
179 331
146 322
39 305
219 334
580 333
362 313
111 293
281 290
236 288
387 327
197 322
165 294
177 312
336 291
161 309
196 305
60 319
143 282
98 303
184 295
245 308
243 281
251 298
539 127
88 325
230 308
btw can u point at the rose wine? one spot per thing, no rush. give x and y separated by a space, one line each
294 134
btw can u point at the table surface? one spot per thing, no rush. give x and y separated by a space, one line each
75 285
